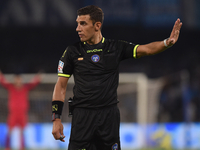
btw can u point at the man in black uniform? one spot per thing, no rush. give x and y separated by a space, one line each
94 63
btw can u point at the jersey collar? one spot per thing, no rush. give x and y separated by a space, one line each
102 41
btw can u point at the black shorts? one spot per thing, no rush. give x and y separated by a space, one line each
95 129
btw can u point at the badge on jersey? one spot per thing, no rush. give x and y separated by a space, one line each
95 58
115 146
80 58
60 66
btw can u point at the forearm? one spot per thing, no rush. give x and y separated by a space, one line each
58 98
155 47
59 93
151 48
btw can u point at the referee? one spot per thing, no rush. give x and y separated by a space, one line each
94 63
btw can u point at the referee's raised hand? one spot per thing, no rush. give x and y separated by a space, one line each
175 33
57 130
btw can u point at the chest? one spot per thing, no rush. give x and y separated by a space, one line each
18 92
96 60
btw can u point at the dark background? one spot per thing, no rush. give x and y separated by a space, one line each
34 34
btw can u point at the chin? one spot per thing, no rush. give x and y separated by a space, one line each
82 40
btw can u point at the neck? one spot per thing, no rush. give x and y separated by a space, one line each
95 40
18 86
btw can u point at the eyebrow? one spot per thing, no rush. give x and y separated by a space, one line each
81 22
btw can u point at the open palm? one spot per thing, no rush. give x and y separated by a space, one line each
175 33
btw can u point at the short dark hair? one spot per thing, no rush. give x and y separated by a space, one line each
96 13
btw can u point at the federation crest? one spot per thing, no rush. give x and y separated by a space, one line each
95 58
115 146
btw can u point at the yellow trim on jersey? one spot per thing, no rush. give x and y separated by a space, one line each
63 75
135 51
64 53
103 40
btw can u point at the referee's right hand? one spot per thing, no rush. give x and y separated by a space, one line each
57 130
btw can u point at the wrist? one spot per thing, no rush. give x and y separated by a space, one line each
166 43
57 107
55 117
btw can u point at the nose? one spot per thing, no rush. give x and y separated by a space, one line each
78 28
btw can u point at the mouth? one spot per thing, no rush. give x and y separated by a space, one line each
80 35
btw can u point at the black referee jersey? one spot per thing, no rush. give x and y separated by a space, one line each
96 70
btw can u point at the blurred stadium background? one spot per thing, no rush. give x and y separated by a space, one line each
35 33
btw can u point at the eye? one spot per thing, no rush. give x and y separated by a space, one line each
82 23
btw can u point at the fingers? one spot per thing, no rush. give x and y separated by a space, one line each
62 135
61 132
175 32
177 25
58 136
62 138
58 131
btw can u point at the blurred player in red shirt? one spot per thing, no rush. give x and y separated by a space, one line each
18 104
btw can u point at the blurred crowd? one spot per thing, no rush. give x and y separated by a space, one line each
179 99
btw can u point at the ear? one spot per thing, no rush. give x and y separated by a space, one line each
98 26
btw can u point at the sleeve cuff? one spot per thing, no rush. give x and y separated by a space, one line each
64 75
135 51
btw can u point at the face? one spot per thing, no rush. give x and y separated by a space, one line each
17 81
85 28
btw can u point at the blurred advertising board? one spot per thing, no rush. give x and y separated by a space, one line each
132 135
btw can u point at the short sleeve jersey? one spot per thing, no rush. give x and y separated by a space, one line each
96 70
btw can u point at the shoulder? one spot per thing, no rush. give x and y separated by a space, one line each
74 48
113 41
76 45
110 41
124 42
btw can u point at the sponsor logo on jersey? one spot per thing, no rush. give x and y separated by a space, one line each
94 50
60 67
115 146
95 58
